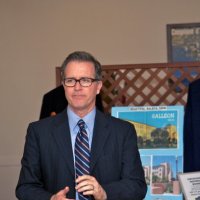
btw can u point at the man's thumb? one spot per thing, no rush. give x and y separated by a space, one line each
64 191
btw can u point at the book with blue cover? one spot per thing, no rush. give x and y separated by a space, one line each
160 142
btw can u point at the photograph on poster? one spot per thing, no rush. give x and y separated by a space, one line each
154 129
147 166
165 171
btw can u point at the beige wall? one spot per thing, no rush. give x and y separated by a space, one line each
35 36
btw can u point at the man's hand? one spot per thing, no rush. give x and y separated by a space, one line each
61 195
90 186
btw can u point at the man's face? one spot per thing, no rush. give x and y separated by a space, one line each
81 99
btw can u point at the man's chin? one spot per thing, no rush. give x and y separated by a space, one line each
81 108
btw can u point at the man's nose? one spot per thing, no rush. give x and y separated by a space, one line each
77 85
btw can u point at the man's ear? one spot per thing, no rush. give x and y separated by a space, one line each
99 86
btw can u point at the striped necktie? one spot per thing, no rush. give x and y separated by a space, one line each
82 154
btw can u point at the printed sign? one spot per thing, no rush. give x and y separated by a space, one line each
190 183
160 141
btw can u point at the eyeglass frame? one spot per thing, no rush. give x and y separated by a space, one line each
79 80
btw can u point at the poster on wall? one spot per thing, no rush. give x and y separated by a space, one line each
160 142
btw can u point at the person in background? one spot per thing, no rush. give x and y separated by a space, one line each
192 128
55 102
81 153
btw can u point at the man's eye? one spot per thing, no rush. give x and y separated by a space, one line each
85 80
70 80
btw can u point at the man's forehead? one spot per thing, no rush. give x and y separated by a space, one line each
81 65
81 68
80 62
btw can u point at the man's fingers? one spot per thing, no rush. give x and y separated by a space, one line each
90 186
85 180
85 187
84 177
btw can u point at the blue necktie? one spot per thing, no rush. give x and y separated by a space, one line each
82 154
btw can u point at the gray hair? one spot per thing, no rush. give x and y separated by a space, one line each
82 56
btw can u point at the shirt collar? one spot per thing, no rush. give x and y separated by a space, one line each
88 119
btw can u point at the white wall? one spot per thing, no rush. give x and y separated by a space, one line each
36 36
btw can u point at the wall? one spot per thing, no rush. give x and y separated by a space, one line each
36 36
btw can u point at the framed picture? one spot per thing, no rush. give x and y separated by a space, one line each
183 42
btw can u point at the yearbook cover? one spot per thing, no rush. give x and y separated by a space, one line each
160 142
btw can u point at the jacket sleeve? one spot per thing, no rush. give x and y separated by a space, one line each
131 185
30 185
188 134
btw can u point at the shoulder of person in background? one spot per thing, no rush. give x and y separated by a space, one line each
53 102
195 84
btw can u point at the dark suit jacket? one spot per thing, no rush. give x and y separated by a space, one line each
192 129
48 166
55 101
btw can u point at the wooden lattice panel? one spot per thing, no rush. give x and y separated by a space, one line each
150 84
146 84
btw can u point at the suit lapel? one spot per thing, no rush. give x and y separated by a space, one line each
100 135
61 133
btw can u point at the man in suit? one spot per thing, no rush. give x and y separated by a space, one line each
55 102
192 129
108 164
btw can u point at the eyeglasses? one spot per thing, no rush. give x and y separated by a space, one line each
84 82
